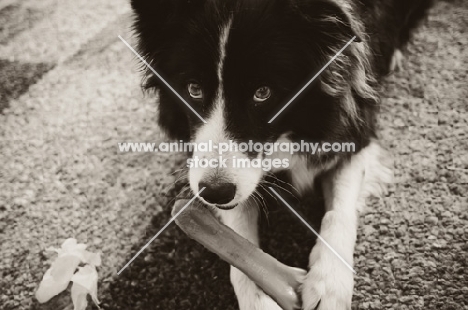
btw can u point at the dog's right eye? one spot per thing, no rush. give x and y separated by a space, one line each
195 90
262 94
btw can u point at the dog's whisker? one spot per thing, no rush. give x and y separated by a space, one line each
178 170
282 188
267 191
260 202
264 205
180 178
183 191
270 174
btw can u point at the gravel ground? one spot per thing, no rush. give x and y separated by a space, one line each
69 92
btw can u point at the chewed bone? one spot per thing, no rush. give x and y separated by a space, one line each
279 281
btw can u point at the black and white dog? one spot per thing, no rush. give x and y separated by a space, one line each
237 62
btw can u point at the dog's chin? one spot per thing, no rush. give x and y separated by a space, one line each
226 207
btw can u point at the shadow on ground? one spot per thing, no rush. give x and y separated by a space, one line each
176 272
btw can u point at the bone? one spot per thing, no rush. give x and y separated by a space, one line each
279 281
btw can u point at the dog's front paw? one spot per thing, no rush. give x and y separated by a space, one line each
249 295
328 284
257 301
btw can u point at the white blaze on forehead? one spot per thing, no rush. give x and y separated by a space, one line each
245 178
223 39
214 129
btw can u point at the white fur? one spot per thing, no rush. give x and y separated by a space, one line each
302 175
396 63
243 220
245 178
346 186
222 52
345 189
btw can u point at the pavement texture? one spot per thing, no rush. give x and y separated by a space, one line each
70 91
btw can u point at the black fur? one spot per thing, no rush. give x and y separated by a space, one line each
279 43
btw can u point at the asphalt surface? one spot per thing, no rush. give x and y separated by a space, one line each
70 91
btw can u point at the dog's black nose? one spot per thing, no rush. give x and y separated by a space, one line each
217 193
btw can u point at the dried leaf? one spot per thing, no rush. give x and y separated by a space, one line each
79 295
87 278
62 270
57 277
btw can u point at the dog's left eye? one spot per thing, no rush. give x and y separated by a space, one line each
195 90
262 94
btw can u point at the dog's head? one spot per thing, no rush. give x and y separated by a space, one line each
237 63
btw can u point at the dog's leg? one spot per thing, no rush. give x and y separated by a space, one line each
329 282
244 220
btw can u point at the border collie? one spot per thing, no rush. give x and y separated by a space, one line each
237 63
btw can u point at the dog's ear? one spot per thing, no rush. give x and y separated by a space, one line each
158 26
160 16
331 15
158 21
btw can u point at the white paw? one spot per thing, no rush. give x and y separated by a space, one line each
257 301
396 63
329 282
249 295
